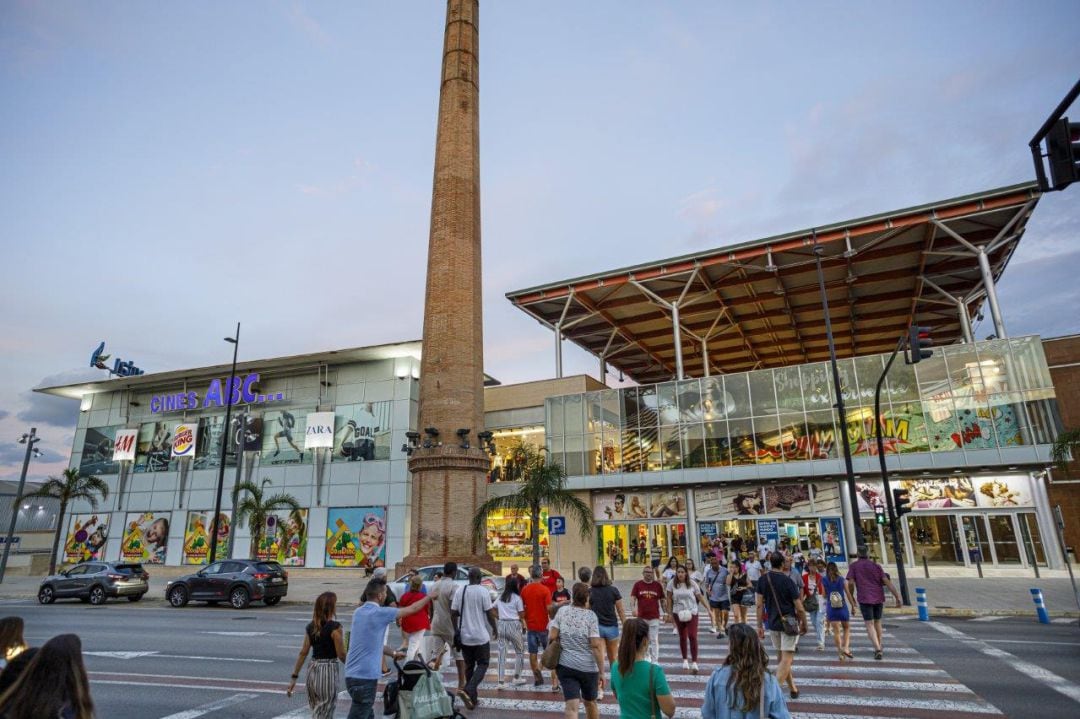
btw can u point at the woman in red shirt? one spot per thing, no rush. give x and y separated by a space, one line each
415 626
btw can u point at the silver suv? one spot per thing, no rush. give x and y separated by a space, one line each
95 582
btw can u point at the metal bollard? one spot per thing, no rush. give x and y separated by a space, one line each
924 608
925 567
1040 606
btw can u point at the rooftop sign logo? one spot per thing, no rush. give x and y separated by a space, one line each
119 368
244 390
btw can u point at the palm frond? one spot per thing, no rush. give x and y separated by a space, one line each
1066 447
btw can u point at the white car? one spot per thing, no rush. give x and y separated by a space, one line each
493 582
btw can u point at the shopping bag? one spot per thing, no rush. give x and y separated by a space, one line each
429 698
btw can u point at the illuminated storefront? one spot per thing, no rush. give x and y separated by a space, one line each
504 464
629 524
509 538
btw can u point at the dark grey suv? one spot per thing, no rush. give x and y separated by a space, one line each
236 581
95 582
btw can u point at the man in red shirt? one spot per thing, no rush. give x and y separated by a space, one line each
549 575
645 604
536 597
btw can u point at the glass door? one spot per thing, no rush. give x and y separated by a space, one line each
677 533
1003 535
976 539
936 539
1029 529
872 536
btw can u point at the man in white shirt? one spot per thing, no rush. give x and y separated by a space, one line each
763 550
474 613
753 571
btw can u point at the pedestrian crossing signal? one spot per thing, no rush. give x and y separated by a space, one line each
879 515
919 343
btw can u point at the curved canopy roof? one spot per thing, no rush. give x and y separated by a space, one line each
757 304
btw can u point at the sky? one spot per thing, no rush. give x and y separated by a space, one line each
170 169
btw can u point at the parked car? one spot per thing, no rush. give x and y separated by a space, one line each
236 581
95 582
493 582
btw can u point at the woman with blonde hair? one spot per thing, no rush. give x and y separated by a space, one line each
743 686
11 639
54 684
323 639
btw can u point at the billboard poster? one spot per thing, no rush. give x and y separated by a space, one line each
197 537
284 539
747 501
871 494
208 443
153 447
319 430
832 539
1005 491
246 433
827 497
124 445
362 432
667 504
707 502
145 538
356 537
770 530
283 433
97 453
86 538
615 506
787 499
940 493
184 439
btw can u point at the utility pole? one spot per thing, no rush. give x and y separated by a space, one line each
235 341
29 440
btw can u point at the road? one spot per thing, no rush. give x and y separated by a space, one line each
150 661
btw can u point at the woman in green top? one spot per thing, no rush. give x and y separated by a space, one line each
641 688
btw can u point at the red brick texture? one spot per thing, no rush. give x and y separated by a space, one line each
1063 356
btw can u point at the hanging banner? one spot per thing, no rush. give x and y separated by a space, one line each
770 530
615 506
832 539
146 537
184 437
153 448
319 431
787 499
197 537
1005 491
124 445
86 538
284 538
356 537
97 453
940 493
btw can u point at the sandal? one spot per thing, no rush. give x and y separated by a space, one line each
848 654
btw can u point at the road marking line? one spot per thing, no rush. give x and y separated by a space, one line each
1047 677
212 706
280 685
214 659
1064 620
119 655
990 618
304 712
170 685
238 634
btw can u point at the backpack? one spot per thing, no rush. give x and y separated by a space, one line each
836 600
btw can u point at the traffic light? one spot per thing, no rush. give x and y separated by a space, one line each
879 515
901 502
1063 152
919 344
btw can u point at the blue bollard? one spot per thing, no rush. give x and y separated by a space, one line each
924 608
1040 606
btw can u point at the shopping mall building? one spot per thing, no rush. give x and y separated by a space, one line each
723 423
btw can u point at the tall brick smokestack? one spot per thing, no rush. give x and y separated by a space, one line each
449 482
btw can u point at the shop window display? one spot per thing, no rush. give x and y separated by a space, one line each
717 447
504 464
509 536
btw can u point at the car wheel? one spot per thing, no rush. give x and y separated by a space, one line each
271 601
97 595
46 595
178 597
239 598
135 597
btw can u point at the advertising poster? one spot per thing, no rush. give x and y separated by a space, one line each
145 538
362 432
246 433
940 493
356 537
707 533
667 504
124 445
208 443
319 431
153 447
707 502
86 538
871 494
827 497
185 436
283 435
747 501
97 454
197 537
1000 492
285 539
770 530
832 539
616 506
904 431
789 499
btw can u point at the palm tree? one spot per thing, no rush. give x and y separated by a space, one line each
71 486
1066 446
255 506
543 484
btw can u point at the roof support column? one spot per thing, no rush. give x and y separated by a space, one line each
705 355
558 350
677 335
961 309
991 294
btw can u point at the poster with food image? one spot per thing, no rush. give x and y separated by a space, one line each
615 506
284 539
667 503
356 537
1004 491
939 493
197 537
145 538
154 447
86 538
787 499
97 453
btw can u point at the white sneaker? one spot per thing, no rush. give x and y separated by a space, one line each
694 668
501 686
519 680
686 664
599 695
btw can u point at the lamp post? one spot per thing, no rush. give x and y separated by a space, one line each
235 341
29 440
853 493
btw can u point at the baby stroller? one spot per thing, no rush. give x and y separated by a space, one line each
417 684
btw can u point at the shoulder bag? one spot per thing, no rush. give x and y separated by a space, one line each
461 616
810 604
552 653
789 624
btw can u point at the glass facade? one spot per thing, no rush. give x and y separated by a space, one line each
986 395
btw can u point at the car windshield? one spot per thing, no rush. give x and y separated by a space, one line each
129 568
268 567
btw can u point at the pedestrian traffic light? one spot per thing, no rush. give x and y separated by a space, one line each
901 502
1063 152
919 344
879 515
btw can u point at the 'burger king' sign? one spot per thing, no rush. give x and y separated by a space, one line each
183 444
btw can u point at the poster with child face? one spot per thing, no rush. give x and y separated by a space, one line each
146 537
356 537
284 538
197 536
86 538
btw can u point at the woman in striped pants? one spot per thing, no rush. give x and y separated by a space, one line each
511 623
323 639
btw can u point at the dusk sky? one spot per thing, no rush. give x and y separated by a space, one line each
170 169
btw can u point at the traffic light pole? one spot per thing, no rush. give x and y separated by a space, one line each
894 521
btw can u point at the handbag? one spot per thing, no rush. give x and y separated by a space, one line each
550 658
788 623
390 698
457 627
685 615
429 698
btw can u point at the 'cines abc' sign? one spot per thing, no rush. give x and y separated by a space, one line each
243 391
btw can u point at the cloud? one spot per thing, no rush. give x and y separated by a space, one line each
51 410
4 414
1022 293
308 25
14 453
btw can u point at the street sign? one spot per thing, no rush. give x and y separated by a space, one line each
556 526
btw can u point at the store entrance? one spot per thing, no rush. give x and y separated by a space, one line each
801 535
937 539
631 544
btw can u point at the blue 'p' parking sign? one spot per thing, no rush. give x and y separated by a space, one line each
556 525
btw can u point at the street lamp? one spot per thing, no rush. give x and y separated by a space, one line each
29 439
235 341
